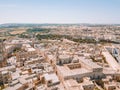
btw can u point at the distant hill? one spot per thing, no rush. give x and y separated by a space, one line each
13 25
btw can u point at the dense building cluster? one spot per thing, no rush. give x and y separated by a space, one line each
30 63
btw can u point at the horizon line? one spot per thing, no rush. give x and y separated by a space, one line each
62 23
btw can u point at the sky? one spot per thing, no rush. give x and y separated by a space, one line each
60 11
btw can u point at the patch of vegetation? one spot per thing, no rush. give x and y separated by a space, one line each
23 36
52 36
96 88
59 37
1 87
16 50
1 40
38 30
108 41
80 40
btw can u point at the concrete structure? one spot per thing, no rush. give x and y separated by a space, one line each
111 61
72 84
51 79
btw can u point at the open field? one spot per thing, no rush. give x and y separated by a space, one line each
14 31
19 31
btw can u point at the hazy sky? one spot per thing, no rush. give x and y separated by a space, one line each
60 11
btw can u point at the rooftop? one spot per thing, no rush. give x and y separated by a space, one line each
72 72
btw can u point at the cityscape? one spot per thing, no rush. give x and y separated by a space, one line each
54 46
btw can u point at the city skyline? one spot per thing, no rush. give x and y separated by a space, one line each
62 11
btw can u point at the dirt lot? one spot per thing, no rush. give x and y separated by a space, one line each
19 31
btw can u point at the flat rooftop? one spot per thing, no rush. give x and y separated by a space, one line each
111 61
89 63
66 72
